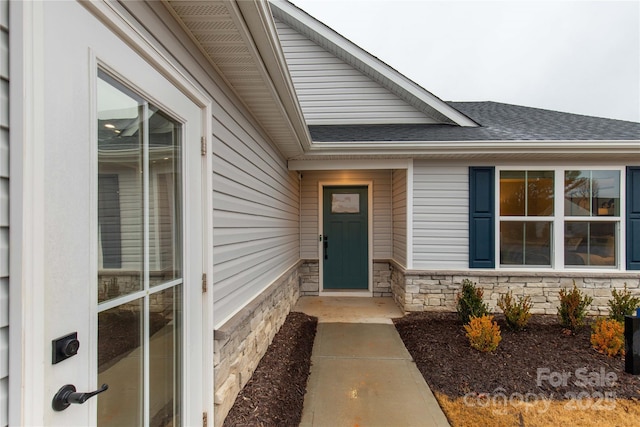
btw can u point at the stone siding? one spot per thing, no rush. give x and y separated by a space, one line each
310 278
242 341
381 279
436 291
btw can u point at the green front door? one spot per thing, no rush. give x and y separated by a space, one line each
345 238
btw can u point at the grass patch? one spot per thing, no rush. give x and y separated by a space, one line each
488 410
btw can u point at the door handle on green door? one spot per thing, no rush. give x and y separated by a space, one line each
326 247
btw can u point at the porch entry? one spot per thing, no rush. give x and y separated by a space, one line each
345 239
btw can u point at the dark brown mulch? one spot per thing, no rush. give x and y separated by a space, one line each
450 366
275 393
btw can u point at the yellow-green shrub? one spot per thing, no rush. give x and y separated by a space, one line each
518 313
608 337
483 333
573 307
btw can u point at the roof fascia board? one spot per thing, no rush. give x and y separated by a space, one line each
254 19
357 164
628 147
363 60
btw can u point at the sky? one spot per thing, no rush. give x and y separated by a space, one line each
573 56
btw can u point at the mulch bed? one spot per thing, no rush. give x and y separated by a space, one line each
450 366
275 393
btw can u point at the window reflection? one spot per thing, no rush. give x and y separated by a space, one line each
121 187
592 193
525 243
526 193
120 190
139 247
120 364
164 192
590 243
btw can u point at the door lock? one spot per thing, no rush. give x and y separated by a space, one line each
68 395
65 347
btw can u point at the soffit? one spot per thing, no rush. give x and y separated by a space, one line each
228 39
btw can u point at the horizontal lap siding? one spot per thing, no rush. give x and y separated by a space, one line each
382 221
255 217
4 211
333 92
440 217
400 216
255 197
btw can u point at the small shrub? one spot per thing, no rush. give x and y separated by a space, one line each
608 337
573 307
469 302
622 304
516 314
483 333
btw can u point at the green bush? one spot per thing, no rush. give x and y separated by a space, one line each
469 302
573 308
622 304
518 313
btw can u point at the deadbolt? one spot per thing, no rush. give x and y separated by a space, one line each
65 347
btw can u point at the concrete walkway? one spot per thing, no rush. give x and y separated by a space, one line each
361 373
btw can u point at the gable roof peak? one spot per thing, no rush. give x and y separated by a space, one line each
368 64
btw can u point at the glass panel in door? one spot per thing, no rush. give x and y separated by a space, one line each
140 260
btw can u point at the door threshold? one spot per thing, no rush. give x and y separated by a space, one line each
346 293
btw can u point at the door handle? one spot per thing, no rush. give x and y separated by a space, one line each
325 245
67 395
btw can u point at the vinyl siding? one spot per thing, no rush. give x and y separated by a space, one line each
399 191
256 217
382 215
4 212
440 217
332 91
255 197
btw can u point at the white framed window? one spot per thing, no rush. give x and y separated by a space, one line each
559 217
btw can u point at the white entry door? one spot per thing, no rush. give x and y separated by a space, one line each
123 233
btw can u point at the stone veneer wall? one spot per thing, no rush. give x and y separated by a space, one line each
310 278
241 342
437 290
382 279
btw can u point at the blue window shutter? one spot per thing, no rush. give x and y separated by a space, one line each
481 217
633 218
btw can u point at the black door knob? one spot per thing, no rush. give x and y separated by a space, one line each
68 395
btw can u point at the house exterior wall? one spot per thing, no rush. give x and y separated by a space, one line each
382 212
440 216
4 212
399 207
331 91
441 246
256 217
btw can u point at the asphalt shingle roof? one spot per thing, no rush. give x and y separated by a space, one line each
499 122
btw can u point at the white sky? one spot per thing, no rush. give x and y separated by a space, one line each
576 56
